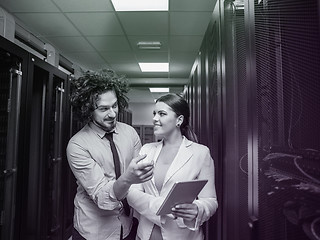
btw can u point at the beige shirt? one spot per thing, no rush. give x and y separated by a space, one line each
98 214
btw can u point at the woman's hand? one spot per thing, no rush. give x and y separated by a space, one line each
187 211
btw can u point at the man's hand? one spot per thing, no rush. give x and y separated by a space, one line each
138 171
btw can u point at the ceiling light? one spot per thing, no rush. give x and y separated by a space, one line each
149 45
140 5
154 67
159 90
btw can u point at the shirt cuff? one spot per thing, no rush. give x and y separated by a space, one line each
194 224
112 195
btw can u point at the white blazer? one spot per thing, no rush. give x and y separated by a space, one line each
193 161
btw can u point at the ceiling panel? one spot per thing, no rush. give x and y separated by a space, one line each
129 69
83 5
152 56
141 95
181 62
168 82
96 23
189 23
92 60
183 57
39 22
133 71
71 44
109 43
29 6
144 23
93 36
192 5
180 70
118 56
185 43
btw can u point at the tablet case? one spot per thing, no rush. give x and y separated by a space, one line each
181 192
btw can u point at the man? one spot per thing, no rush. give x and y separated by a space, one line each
99 212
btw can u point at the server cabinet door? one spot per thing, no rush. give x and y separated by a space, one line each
34 217
10 91
288 131
46 212
56 157
235 85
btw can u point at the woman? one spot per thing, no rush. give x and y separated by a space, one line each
177 157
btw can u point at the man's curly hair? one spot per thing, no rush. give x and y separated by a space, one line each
86 89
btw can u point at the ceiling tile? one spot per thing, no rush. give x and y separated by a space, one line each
126 68
139 95
152 56
183 58
155 96
97 23
143 95
132 70
189 23
29 6
185 43
181 63
84 5
93 36
180 71
88 60
118 56
165 82
144 23
148 75
192 5
71 44
40 22
110 43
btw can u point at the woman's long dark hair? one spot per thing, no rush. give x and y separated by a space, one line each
180 106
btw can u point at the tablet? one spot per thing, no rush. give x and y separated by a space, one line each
181 192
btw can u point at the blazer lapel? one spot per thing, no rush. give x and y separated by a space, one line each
155 158
182 157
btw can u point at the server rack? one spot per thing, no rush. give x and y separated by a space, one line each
265 106
287 75
204 95
12 96
45 187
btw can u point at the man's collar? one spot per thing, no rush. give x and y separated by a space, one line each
99 131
